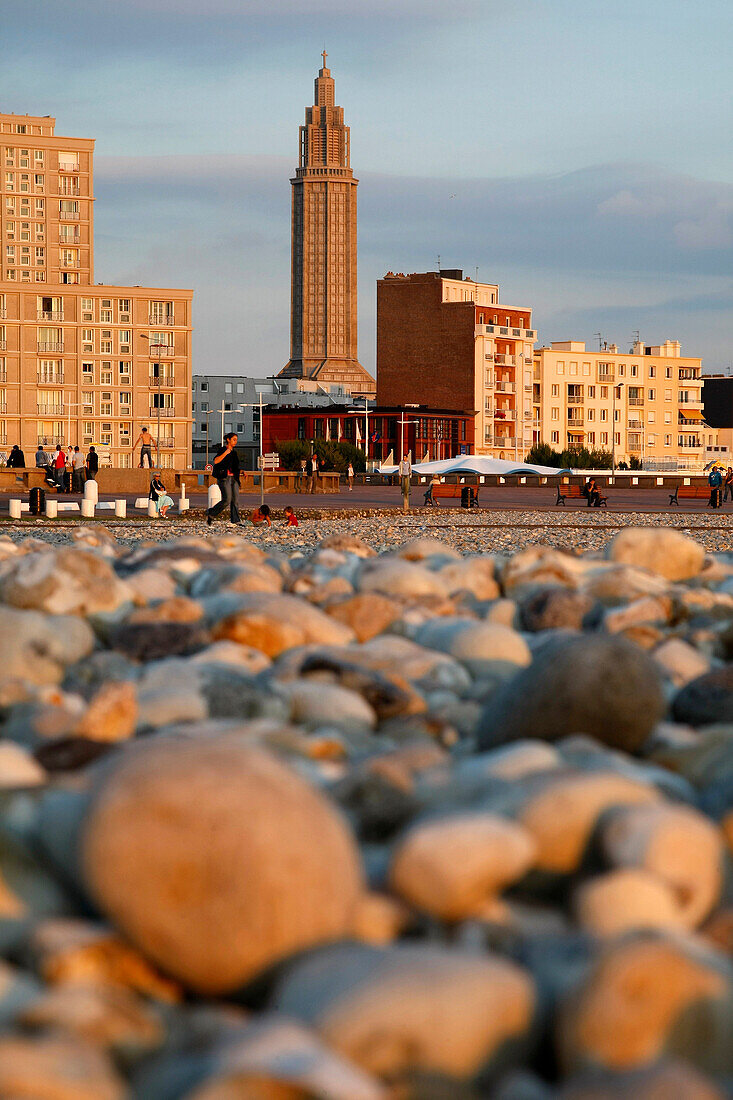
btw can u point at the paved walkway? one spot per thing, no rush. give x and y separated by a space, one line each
502 497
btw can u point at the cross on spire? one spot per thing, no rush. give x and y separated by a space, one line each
324 55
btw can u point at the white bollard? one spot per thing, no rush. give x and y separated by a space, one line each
52 508
91 490
183 490
14 508
214 495
152 510
87 507
121 509
184 504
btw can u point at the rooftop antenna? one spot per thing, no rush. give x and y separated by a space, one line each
438 263
600 340
477 273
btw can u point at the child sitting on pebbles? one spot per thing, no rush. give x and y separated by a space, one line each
291 520
261 516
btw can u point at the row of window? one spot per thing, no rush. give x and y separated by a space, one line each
590 414
102 309
635 393
68 208
618 370
683 441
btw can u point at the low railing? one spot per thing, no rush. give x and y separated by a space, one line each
606 376
3 345
55 379
68 215
154 413
576 422
636 401
575 399
69 263
72 240
50 314
3 313
3 374
50 345
49 440
164 321
161 351
69 192
164 380
166 444
3 440
689 445
69 167
3 407
50 410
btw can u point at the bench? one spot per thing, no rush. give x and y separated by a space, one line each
435 492
690 492
575 492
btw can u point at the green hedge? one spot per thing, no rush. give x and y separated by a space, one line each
579 458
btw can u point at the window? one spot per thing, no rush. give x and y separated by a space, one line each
591 392
668 418
591 437
240 387
125 340
617 437
161 313
227 387
555 438
591 414
240 426
604 437
204 406
651 440
555 390
573 368
105 311
586 369
667 372
87 402
123 310
555 414
604 414
652 395
105 341
561 367
227 406
668 441
204 387
652 416
69 162
604 392
667 395
125 367
125 401
652 372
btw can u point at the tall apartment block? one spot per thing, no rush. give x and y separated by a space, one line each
646 404
446 341
323 306
80 362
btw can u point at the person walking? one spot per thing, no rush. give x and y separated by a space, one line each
16 458
146 442
728 487
313 483
226 472
715 481
350 477
92 464
77 471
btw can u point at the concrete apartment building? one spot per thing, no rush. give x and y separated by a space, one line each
646 404
447 342
323 305
79 363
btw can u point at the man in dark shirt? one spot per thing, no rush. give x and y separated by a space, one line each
226 472
16 458
92 464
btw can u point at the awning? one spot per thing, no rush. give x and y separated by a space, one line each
691 414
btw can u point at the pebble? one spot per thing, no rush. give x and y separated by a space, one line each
367 813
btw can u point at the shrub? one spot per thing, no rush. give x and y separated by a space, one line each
579 458
335 456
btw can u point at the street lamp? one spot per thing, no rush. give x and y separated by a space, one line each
613 428
156 349
258 405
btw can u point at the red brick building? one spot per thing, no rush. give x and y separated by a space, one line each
448 343
435 433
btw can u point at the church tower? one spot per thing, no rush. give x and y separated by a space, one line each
323 304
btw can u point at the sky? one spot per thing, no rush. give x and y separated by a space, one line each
578 153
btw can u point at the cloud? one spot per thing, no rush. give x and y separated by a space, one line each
658 258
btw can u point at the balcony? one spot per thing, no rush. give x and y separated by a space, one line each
689 375
166 444
68 215
505 414
635 426
3 345
161 351
606 376
508 442
70 191
68 264
68 167
636 402
505 360
50 410
154 381
43 378
3 440
576 422
50 314
3 374
634 445
689 444
69 240
504 387
166 321
163 413
49 346
49 440
683 420
3 407
3 313
575 399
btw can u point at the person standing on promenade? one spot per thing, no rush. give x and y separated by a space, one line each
77 471
728 489
59 466
303 476
92 464
350 477
405 471
226 472
313 485
146 442
715 481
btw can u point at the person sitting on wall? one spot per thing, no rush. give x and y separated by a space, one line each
159 496
16 458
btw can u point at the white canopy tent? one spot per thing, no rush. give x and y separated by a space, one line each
477 464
